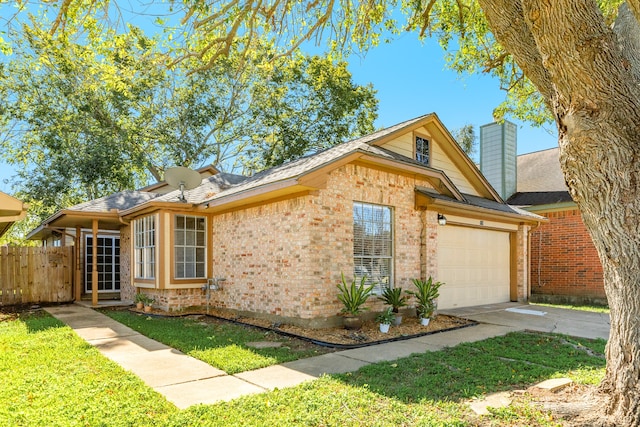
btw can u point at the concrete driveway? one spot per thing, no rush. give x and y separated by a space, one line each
538 318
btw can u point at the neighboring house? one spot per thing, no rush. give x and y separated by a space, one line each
564 263
281 238
11 210
565 266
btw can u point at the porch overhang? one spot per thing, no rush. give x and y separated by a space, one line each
73 219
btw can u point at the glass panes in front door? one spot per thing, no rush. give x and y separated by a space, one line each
108 263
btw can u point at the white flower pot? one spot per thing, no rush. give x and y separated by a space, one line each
384 328
397 321
424 321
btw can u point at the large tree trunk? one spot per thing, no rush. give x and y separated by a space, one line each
574 59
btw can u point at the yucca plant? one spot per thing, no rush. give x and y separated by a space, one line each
353 296
426 292
394 298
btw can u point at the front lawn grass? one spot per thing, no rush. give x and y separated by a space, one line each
222 345
592 308
52 377
475 369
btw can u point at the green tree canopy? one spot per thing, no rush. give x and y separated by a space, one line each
93 112
575 62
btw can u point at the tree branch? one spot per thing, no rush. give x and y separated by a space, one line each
507 22
587 66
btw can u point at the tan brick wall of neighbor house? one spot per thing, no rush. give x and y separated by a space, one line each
284 259
564 261
127 290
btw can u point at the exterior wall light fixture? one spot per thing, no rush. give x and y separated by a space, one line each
442 220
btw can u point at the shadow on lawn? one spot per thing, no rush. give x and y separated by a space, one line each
514 361
39 320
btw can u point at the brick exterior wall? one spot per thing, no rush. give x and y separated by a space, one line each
127 290
564 262
284 259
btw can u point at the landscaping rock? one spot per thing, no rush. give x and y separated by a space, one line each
554 384
495 400
264 344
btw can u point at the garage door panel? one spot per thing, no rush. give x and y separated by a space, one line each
474 264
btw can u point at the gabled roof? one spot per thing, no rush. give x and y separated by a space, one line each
223 191
317 160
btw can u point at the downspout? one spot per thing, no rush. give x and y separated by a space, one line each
539 257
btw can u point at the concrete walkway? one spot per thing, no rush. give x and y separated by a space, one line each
186 381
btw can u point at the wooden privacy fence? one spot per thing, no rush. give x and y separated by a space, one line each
36 274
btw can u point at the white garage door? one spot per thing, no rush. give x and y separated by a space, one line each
474 265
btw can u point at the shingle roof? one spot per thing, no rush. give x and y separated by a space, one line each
308 163
206 190
540 180
121 201
478 202
539 198
540 171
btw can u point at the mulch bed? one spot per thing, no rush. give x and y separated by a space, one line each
337 337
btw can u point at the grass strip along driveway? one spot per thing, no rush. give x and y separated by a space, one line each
52 377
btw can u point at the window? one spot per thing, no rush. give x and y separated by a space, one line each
190 247
422 150
373 244
144 235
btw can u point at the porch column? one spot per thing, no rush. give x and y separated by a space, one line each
77 281
94 264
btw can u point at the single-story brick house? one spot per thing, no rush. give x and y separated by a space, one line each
565 266
281 238
11 210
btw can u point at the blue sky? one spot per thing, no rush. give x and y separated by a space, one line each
411 80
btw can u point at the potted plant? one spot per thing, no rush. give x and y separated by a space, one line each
426 293
394 298
148 303
353 297
385 318
139 300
